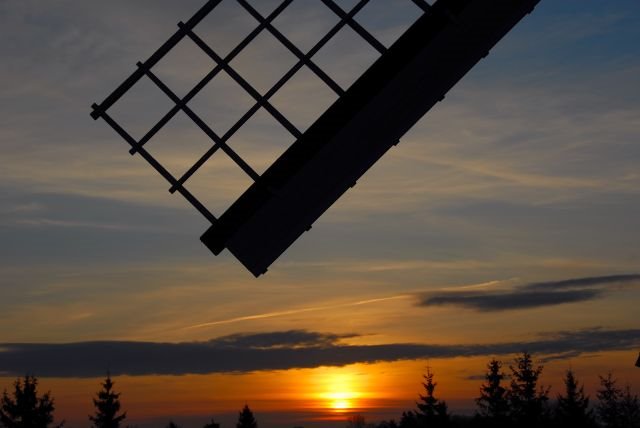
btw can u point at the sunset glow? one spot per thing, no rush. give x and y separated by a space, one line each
328 394
341 394
505 220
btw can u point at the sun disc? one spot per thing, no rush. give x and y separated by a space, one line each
341 405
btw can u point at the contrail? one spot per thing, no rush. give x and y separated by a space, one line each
297 311
483 285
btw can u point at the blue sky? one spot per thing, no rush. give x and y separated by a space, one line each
529 171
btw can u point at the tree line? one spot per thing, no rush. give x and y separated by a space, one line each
518 400
506 400
25 408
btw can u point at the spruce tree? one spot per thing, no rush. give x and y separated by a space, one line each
573 408
629 407
387 424
431 411
107 406
212 424
493 403
527 402
609 396
356 421
409 419
246 419
25 409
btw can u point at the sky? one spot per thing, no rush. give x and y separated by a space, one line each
505 220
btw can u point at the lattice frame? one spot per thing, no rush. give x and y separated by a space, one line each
220 142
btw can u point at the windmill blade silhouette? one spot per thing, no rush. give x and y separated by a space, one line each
366 120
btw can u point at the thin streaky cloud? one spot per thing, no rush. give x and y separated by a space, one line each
532 295
512 300
584 282
296 311
484 285
279 350
45 222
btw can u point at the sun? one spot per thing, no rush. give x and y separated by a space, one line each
341 394
340 401
341 405
337 392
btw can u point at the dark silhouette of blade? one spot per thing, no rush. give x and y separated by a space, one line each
368 118
382 105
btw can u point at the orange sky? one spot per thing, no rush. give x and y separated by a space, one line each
381 390
519 195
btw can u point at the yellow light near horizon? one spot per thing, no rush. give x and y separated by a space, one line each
340 391
341 405
340 400
323 393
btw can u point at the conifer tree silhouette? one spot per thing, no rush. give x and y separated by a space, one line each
431 411
172 425
629 407
25 409
609 396
573 407
617 408
356 421
493 402
528 403
212 424
107 406
409 419
246 418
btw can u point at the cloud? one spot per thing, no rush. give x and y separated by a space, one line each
296 311
531 295
35 224
595 281
280 339
510 300
275 351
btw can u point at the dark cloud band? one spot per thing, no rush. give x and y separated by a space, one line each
512 300
594 281
531 295
273 351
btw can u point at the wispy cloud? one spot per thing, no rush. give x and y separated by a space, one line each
584 282
276 351
296 311
45 222
510 300
280 339
530 295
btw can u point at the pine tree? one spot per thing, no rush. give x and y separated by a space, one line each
629 407
493 403
573 408
409 419
246 419
212 424
526 401
431 411
26 409
107 406
356 421
609 397
172 425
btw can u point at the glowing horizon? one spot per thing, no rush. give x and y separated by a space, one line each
506 218
376 391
